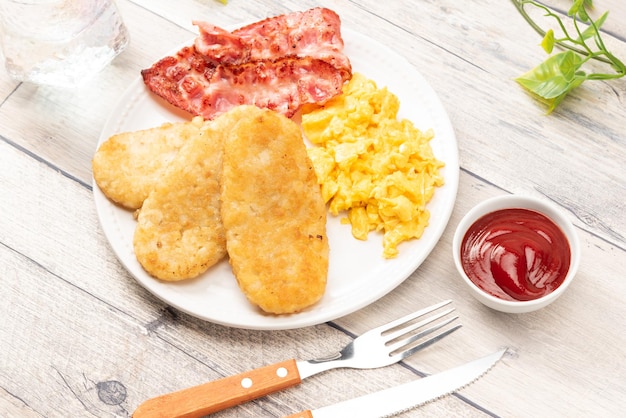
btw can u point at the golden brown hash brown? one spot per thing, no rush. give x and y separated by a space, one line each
273 213
179 232
128 165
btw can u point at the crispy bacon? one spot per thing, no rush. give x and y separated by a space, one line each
197 85
314 33
279 63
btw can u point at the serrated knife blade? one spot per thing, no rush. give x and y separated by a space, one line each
395 400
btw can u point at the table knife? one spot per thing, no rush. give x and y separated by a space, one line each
401 398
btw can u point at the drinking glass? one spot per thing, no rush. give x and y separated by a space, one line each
60 42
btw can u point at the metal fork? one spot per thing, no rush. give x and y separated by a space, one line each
381 346
388 343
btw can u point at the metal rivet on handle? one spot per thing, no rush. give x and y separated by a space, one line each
281 372
246 382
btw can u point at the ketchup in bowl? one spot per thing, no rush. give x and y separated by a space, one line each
515 254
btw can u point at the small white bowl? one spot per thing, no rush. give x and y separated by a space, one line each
522 202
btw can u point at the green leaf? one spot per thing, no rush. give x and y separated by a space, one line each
547 43
554 78
591 31
578 9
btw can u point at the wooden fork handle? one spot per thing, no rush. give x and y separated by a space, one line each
303 414
223 393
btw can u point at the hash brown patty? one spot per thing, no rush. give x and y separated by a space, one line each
128 165
179 232
273 213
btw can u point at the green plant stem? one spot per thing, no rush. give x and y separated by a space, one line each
519 4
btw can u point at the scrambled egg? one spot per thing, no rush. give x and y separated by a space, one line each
379 169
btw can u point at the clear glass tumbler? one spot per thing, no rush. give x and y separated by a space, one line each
60 42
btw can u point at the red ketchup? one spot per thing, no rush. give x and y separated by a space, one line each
515 254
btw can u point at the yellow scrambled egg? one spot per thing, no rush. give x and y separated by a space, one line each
379 169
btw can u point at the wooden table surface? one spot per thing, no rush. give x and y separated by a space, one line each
80 337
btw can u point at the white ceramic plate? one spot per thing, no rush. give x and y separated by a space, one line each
358 274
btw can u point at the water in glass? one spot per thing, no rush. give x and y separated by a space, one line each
60 42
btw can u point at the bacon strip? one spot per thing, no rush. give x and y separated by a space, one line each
278 63
314 33
195 84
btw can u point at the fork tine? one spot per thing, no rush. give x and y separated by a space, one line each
394 324
413 350
395 346
409 326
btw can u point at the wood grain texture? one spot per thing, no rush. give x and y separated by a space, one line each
79 337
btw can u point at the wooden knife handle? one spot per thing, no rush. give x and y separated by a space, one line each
303 414
223 393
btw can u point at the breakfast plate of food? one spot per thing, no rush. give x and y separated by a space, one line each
358 271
